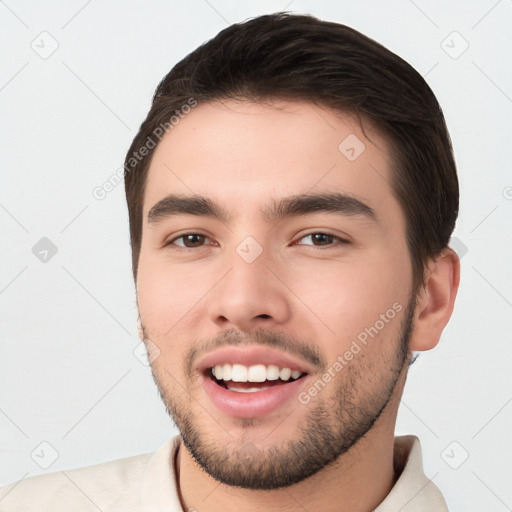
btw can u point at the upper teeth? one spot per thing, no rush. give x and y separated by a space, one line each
256 373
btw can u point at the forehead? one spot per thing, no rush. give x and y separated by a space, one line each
242 154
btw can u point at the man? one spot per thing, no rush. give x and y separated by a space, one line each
291 195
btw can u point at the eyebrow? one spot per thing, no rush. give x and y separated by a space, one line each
292 206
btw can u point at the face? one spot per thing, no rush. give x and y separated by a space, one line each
295 257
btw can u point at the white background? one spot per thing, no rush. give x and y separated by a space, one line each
68 374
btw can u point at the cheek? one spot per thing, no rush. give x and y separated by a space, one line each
350 296
163 300
168 296
161 296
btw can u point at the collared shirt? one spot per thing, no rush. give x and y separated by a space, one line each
148 483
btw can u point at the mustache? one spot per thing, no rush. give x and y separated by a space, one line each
276 340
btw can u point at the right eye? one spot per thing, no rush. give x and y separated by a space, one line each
189 240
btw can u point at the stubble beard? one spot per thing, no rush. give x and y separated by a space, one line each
331 426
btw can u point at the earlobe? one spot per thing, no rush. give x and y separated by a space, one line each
436 300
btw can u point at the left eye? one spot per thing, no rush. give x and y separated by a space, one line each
322 239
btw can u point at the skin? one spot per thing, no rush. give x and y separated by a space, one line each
336 451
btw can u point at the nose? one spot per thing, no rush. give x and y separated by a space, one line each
250 295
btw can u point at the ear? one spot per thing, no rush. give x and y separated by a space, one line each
435 300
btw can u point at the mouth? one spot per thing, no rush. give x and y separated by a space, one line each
255 394
254 381
257 378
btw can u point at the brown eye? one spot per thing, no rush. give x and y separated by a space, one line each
321 239
189 240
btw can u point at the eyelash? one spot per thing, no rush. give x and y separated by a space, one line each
340 240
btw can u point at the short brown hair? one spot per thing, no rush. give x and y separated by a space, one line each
299 57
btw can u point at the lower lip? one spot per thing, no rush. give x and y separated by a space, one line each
251 405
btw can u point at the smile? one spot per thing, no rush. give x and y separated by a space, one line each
246 394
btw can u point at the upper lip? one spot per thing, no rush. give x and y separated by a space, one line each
249 356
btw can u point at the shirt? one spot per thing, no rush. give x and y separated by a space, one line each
148 483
